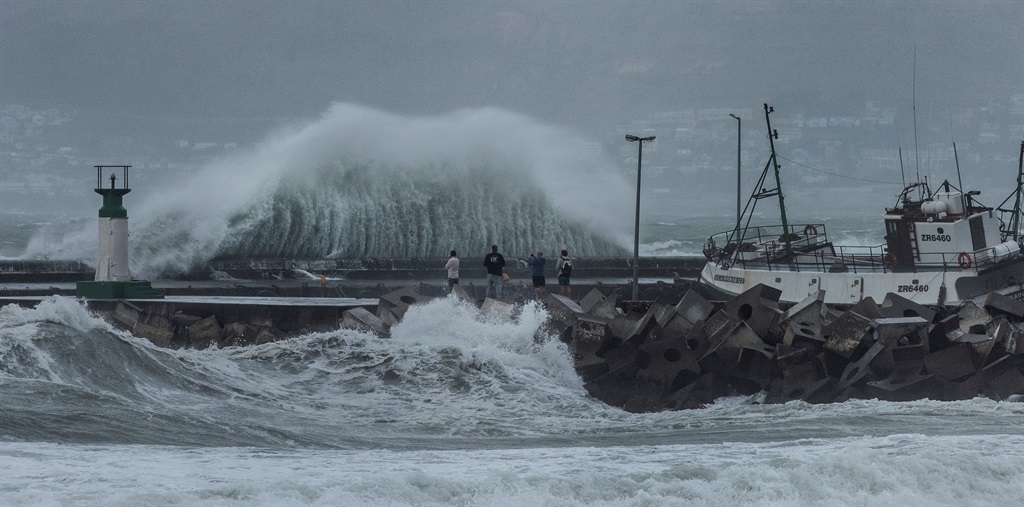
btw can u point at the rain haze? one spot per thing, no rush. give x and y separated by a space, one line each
536 94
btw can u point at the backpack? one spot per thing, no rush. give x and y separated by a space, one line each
566 268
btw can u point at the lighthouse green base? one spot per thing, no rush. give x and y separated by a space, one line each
135 289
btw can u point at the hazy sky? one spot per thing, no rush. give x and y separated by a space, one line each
587 65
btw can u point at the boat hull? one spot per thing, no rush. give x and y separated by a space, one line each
932 288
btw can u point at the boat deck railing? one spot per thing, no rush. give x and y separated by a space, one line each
764 247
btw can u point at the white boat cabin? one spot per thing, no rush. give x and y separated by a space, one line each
947 231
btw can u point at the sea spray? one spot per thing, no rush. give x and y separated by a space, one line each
364 183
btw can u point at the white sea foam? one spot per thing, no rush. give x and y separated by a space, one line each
896 470
59 309
671 248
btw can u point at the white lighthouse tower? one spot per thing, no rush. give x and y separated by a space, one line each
113 278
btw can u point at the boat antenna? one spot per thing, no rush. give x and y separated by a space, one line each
956 160
903 175
772 136
899 148
913 100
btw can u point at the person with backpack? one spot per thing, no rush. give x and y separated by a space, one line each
564 269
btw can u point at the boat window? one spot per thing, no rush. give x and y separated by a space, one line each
890 226
939 230
977 232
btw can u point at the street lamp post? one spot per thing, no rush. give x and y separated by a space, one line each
739 136
636 226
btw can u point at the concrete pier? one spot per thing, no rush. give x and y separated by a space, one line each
203 321
358 272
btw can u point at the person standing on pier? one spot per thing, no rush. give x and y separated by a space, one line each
453 270
495 264
564 270
537 263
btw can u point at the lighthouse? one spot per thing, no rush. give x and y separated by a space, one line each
113 278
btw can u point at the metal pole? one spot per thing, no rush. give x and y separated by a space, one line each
739 150
636 225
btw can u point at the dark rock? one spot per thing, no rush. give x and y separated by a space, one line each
360 319
702 391
591 337
848 333
758 308
205 332
693 308
597 304
896 306
1003 378
237 334
669 362
905 385
998 304
859 370
803 335
951 363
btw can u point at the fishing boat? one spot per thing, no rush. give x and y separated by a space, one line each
941 248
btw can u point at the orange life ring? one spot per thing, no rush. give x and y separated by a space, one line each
810 230
964 260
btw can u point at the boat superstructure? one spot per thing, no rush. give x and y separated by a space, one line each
941 248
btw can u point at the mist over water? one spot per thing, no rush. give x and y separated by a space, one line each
364 183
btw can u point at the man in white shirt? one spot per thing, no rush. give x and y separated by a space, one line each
453 270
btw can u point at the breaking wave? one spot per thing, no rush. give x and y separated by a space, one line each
364 183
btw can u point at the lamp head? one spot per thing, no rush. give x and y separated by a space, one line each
632 138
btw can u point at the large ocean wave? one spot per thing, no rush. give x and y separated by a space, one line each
364 183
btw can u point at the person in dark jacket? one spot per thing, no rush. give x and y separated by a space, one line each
495 264
536 263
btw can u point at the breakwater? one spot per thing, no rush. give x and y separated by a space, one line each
679 351
665 356
200 322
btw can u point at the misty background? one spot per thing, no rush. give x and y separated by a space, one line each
174 88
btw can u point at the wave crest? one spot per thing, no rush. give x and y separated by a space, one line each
364 183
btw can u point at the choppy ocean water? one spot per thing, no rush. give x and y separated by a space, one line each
665 234
454 409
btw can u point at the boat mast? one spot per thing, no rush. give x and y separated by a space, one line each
1015 215
913 99
1012 230
772 136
